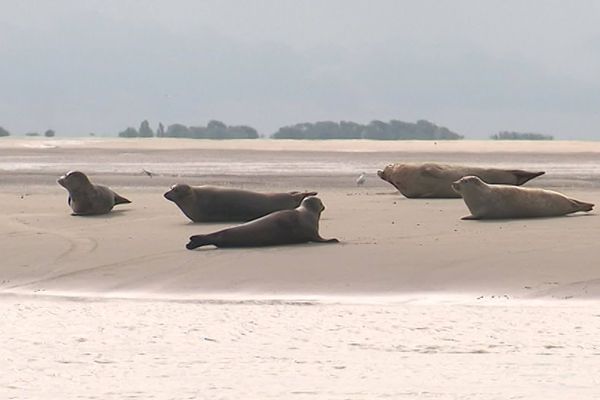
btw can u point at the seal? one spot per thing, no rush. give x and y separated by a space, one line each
220 204
432 180
85 198
299 225
503 201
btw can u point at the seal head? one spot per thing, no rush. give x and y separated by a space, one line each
467 182
74 180
178 192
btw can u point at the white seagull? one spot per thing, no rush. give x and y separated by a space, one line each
361 179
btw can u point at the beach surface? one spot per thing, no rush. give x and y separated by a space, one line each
413 303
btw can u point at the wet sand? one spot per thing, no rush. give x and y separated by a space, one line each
115 349
490 309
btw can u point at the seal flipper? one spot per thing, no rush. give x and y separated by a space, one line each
307 194
321 240
121 200
469 218
299 196
197 241
525 176
433 171
582 206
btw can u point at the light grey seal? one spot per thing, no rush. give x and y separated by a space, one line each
504 201
432 180
220 204
299 225
85 198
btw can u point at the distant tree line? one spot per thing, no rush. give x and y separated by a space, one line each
214 130
48 133
392 130
505 135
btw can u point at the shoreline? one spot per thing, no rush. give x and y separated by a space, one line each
332 145
423 299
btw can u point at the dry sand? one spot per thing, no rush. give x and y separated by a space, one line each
414 303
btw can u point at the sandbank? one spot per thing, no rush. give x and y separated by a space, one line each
391 247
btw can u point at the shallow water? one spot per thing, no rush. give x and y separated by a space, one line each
205 162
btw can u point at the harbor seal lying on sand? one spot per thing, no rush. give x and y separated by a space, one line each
431 180
219 204
85 198
299 225
503 201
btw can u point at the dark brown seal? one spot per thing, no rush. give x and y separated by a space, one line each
504 201
299 225
219 204
432 180
85 198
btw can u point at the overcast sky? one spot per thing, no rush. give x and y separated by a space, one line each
476 67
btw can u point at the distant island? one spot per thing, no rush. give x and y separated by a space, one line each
378 130
214 130
48 133
505 135
322 130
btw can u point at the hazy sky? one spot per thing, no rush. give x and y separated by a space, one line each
476 67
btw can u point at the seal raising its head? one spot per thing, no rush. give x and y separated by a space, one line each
505 201
220 204
299 225
85 198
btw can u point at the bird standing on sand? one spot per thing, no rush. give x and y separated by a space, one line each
361 179
149 173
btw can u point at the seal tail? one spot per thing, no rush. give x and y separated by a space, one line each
197 241
121 200
526 176
582 206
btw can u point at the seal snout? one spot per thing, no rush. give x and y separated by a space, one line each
62 181
178 192
173 193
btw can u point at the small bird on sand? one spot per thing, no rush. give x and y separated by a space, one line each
361 179
149 173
